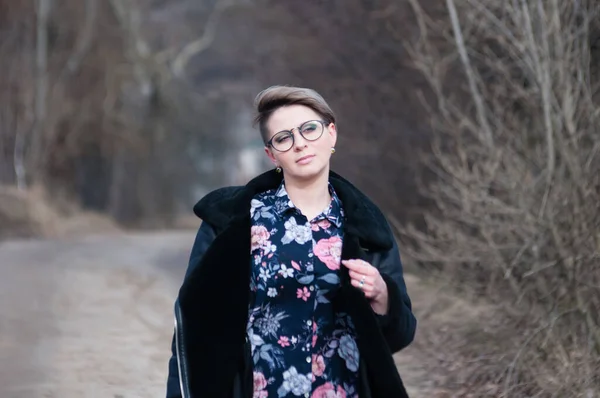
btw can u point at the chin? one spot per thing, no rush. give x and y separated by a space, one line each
307 172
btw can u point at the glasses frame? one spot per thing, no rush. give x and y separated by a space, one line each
299 128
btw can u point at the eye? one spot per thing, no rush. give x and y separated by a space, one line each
310 127
282 138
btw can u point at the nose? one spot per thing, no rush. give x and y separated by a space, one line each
299 141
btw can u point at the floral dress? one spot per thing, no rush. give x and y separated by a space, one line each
300 346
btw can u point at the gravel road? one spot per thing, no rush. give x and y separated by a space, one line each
92 316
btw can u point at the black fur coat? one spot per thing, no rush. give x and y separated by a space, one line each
210 353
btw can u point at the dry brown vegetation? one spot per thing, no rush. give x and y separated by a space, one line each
92 108
34 213
516 165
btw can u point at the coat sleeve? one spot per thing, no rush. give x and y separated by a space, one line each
399 324
204 238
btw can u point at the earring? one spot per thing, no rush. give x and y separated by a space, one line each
278 169
332 150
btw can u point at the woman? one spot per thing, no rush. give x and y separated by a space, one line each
295 286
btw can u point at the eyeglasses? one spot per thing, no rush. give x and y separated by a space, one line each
311 130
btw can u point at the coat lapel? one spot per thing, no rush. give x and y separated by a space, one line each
382 377
214 304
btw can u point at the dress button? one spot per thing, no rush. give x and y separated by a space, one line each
308 359
311 288
309 322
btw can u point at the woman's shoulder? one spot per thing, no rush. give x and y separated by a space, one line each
219 194
352 195
363 217
216 203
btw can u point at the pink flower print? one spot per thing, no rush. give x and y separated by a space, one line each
318 365
303 294
328 390
314 226
295 265
260 383
259 237
314 340
325 224
283 341
329 251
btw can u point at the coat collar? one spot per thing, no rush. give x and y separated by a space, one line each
363 218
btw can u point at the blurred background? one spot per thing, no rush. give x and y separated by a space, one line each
472 123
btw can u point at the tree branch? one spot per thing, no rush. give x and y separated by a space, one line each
85 40
470 73
195 47
41 88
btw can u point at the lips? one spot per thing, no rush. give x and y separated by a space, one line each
304 158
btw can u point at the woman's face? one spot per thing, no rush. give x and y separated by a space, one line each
305 158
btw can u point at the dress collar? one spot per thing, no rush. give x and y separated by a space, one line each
333 213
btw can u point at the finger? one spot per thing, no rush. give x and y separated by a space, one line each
351 264
365 283
362 280
363 286
358 265
367 289
357 275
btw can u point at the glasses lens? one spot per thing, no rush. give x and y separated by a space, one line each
312 130
282 141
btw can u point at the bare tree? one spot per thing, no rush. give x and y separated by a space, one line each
517 165
200 44
41 92
85 39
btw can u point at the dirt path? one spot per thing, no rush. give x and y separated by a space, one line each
91 317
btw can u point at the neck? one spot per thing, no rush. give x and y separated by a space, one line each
310 196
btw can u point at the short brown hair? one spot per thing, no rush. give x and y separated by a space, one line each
275 97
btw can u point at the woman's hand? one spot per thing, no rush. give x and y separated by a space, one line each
368 279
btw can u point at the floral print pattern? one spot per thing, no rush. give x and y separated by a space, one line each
300 347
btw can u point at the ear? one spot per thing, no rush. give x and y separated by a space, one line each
270 155
332 130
